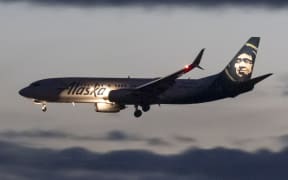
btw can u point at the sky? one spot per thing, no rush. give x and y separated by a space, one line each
247 135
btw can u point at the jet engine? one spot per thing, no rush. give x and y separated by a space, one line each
108 107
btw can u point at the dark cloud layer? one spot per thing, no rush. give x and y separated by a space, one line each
204 3
22 163
114 136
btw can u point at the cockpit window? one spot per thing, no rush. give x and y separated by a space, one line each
35 84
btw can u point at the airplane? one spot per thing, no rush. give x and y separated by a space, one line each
111 95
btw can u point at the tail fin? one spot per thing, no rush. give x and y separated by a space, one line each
241 66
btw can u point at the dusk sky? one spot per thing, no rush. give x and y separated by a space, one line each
228 139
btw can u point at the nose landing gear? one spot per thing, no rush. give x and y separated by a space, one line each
43 105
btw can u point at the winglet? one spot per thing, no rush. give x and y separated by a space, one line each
195 63
197 60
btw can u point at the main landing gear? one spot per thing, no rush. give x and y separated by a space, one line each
138 112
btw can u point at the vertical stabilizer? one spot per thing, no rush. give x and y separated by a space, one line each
241 66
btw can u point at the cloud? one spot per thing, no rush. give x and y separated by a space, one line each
283 79
43 134
185 139
285 90
157 142
283 139
23 163
117 135
113 136
203 3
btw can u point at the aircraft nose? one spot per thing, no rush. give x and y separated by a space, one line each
23 92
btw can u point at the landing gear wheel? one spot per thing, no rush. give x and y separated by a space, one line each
146 108
44 108
137 113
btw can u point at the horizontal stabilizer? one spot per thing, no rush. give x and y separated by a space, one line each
258 79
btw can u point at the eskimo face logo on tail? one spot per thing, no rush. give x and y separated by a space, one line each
243 65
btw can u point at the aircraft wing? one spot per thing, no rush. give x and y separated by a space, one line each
160 85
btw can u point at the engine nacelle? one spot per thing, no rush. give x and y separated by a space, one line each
108 107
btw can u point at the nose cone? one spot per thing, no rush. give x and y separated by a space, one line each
24 92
